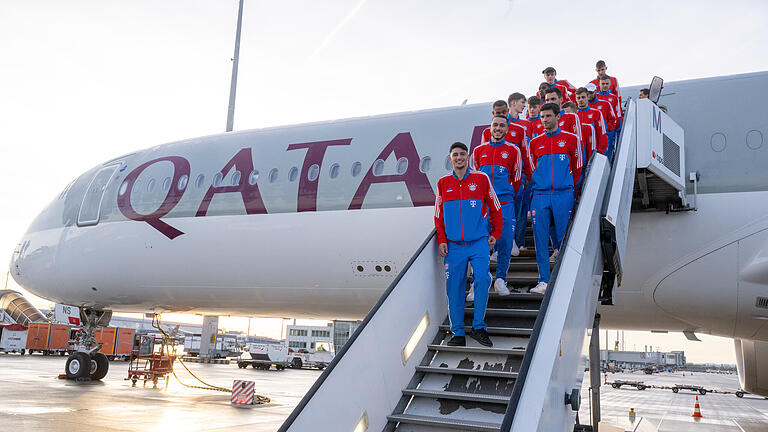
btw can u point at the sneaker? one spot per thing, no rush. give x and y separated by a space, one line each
501 287
523 248
471 295
481 336
495 256
457 341
515 249
541 288
555 254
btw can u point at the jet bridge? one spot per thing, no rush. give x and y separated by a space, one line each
396 373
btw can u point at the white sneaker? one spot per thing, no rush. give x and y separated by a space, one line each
523 248
555 254
471 295
515 249
541 288
495 256
501 287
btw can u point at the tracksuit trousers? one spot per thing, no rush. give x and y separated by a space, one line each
475 253
504 244
547 210
523 205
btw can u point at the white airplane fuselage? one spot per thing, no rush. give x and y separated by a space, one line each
317 220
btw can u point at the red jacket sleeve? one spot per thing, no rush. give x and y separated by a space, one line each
576 162
486 135
525 154
494 210
602 135
439 220
516 173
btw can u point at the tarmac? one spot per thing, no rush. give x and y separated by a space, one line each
671 412
32 398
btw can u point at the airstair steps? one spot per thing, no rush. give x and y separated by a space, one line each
463 425
496 331
463 396
468 388
466 371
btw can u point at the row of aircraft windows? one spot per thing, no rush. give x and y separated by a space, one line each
293 174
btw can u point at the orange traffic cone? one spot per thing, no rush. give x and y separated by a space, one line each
696 409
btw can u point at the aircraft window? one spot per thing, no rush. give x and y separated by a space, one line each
200 180
356 168
236 178
448 164
123 188
183 182
293 174
166 184
136 187
334 171
253 178
314 172
424 166
378 167
217 179
402 165
273 175
151 185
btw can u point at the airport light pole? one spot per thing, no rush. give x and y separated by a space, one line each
235 61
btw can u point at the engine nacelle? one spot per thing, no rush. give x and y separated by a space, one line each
752 364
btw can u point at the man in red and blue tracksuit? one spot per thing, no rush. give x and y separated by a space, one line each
609 115
557 161
594 117
601 68
468 220
606 94
503 163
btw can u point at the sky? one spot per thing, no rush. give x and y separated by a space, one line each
85 81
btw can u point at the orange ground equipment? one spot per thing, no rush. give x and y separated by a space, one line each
37 337
153 360
696 409
106 336
58 342
124 342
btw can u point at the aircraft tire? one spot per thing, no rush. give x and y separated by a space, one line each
78 365
99 366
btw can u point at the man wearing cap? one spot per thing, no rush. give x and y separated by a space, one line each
566 88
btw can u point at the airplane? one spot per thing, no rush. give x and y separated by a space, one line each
316 220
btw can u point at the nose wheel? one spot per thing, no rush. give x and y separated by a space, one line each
87 362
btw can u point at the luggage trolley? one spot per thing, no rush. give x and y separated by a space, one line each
152 359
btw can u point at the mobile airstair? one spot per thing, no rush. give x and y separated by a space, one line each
396 373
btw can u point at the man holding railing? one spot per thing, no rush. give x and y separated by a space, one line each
465 206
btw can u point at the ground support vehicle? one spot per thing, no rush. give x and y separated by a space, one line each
13 338
702 391
264 356
637 384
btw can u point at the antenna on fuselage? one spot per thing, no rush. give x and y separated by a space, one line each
235 61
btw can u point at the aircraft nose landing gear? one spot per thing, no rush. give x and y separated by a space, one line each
87 362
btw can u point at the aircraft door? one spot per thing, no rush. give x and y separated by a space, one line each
90 209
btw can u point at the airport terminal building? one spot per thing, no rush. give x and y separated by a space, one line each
641 359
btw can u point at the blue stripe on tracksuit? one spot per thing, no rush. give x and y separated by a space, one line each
475 253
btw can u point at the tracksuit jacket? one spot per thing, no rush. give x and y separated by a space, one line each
462 207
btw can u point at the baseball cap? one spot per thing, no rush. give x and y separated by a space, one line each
549 69
590 87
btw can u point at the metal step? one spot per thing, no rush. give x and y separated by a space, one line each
471 372
445 423
495 331
477 350
497 312
439 394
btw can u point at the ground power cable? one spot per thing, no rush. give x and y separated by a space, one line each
156 324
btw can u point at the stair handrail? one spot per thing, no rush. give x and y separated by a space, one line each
347 346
